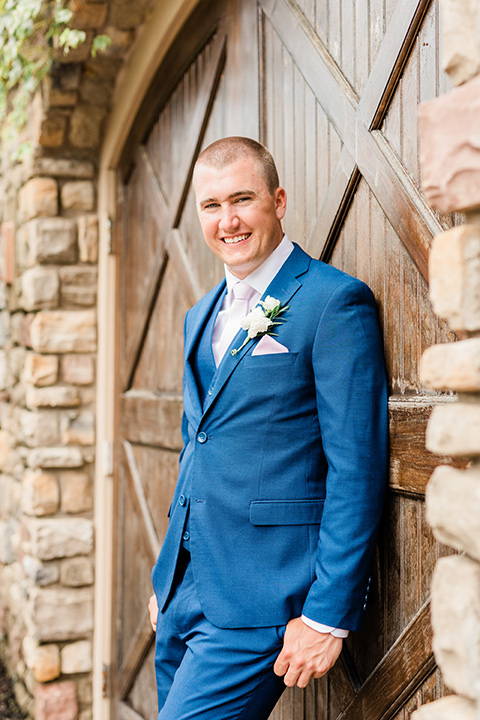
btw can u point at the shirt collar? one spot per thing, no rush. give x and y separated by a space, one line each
262 276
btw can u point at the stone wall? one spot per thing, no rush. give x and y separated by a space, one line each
48 296
450 159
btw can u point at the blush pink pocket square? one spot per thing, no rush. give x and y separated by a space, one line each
267 345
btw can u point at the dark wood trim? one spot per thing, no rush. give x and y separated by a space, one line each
411 464
410 660
141 501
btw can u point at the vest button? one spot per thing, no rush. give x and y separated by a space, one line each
210 391
182 500
202 437
186 535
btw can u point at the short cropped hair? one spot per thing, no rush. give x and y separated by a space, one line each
225 151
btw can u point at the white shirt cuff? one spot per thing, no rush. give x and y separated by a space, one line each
320 627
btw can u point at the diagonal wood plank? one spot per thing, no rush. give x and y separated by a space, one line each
137 650
410 660
394 51
172 213
334 207
415 224
148 526
125 712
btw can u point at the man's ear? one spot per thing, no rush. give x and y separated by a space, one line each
280 197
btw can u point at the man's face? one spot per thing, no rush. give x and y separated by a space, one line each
240 219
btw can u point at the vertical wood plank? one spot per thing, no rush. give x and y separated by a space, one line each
348 44
362 45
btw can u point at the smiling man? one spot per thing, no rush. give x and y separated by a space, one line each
265 566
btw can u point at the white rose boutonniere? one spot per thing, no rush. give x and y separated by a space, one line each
262 320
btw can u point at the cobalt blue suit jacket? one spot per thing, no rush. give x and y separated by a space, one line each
284 464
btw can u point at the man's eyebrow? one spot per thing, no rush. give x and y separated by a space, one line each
237 193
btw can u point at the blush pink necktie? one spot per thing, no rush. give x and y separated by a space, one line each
242 293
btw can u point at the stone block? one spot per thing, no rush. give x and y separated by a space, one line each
52 396
88 238
455 277
76 492
52 240
52 129
125 14
79 285
86 126
64 331
38 428
87 16
56 701
120 41
40 493
38 198
43 660
85 690
449 134
40 370
460 39
452 366
40 288
63 167
78 429
77 657
78 195
61 614
78 369
96 91
456 623
77 572
5 450
60 537
454 429
55 457
74 55
42 574
453 508
447 708
55 97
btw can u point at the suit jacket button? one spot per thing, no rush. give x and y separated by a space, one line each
186 535
202 437
182 500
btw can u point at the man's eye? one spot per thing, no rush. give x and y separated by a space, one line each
211 206
243 199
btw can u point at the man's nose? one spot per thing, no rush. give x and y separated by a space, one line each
229 220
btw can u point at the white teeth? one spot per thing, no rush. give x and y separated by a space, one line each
239 238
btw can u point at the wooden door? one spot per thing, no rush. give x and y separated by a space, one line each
332 88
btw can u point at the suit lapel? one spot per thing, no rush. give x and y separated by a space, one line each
205 307
283 287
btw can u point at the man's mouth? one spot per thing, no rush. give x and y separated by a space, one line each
236 239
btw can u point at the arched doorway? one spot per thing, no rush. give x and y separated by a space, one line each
332 89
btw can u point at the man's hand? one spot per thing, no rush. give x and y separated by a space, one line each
306 653
153 610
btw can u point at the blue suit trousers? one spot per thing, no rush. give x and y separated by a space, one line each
208 672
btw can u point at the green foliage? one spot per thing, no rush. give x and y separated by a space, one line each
30 33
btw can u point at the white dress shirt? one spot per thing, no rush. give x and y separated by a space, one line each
259 280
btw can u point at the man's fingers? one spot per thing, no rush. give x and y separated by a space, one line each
153 611
281 665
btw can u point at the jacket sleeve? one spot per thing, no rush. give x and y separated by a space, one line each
351 394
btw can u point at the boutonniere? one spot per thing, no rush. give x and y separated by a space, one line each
262 320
